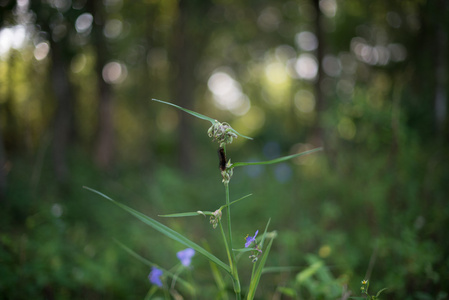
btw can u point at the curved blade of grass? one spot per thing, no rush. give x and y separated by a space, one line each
265 233
167 231
200 212
244 249
181 281
193 113
276 160
256 278
219 280
187 214
239 134
200 116
380 292
280 269
235 201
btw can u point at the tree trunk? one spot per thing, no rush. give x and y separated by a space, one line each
318 134
104 148
63 119
440 67
188 40
3 170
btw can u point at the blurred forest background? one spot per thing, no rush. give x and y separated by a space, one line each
367 80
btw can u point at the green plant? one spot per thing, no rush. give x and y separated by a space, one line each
258 246
364 290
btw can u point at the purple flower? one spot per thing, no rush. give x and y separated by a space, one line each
155 276
185 256
249 239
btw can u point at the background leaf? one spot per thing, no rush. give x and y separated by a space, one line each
166 231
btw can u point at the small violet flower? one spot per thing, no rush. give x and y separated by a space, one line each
250 239
155 276
185 256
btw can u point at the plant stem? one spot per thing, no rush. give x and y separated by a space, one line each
228 251
233 265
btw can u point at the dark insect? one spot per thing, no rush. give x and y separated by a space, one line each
222 158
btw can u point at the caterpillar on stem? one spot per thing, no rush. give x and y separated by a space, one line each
222 159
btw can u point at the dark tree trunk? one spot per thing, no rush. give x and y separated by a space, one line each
440 66
63 119
188 39
3 170
8 129
318 134
104 147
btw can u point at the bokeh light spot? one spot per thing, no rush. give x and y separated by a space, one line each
328 8
78 63
114 72
253 120
306 66
324 251
304 101
84 22
57 210
41 51
276 73
113 28
269 19
283 172
331 66
306 41
227 93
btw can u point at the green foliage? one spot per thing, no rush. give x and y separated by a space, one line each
166 231
375 200
224 134
317 281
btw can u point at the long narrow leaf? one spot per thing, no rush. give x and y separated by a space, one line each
239 134
181 281
167 231
200 213
219 280
188 214
193 113
200 116
243 249
264 236
235 201
280 269
380 292
275 161
255 280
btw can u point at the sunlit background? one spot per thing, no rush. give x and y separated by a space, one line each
366 80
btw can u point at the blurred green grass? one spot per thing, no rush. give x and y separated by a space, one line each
57 241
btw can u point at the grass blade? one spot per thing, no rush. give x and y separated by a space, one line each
187 214
276 160
235 201
200 212
255 280
219 280
181 281
200 116
193 113
167 231
239 134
